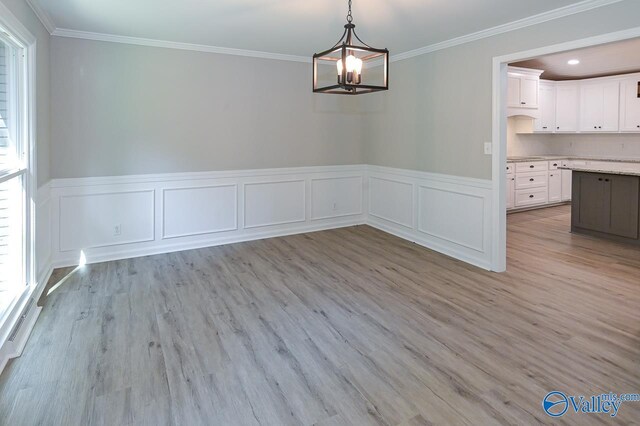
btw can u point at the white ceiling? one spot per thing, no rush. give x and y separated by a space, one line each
293 27
606 59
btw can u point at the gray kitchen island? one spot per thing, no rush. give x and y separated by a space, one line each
606 202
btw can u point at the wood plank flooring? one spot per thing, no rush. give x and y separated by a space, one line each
349 326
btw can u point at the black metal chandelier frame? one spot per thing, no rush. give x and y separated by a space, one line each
347 47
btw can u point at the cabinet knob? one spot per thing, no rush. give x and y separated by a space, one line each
595 127
523 103
544 127
531 166
530 196
531 180
638 126
555 164
606 180
559 127
600 179
599 127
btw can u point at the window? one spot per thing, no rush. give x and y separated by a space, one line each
14 173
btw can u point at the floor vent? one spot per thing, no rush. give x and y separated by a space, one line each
16 329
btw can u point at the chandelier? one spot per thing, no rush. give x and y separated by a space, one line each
348 63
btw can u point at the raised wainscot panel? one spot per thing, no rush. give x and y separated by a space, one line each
201 210
43 234
391 200
274 203
335 197
452 216
99 220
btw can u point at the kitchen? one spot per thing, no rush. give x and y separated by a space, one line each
573 138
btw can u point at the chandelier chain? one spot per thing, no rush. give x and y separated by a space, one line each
349 17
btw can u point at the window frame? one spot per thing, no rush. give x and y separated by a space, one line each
20 38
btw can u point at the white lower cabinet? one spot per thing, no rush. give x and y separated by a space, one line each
566 182
537 183
511 191
531 180
555 186
531 197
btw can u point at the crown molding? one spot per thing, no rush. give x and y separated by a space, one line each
42 15
61 32
540 18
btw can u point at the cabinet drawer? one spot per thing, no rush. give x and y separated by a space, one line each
534 166
553 165
531 197
532 180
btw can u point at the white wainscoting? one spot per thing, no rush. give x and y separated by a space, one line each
336 197
274 203
119 217
43 234
448 214
199 210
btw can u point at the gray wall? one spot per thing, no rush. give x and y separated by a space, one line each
23 12
437 114
121 109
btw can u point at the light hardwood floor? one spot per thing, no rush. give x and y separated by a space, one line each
349 326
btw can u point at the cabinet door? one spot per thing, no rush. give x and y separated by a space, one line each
591 107
630 105
566 108
529 91
599 107
610 107
511 191
589 198
547 108
555 186
513 92
566 185
623 192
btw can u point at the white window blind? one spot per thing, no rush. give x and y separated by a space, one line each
13 175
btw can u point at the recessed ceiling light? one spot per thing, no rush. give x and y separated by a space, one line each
573 62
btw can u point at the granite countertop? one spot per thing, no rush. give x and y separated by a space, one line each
609 171
523 159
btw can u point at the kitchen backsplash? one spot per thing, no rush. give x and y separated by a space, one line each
587 145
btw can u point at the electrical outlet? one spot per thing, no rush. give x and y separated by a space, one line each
117 230
488 148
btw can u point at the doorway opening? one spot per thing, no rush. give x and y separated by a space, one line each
554 108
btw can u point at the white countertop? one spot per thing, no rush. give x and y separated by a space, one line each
622 169
521 159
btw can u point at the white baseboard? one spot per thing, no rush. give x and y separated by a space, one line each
13 348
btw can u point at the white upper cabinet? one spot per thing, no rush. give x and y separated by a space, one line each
599 106
529 89
513 91
547 108
630 105
567 107
522 90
